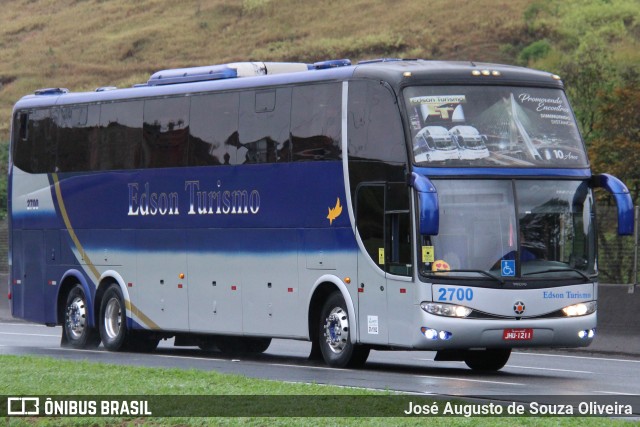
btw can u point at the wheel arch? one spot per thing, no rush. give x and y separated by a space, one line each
321 290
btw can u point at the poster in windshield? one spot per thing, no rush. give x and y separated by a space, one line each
493 126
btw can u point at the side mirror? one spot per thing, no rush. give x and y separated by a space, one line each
428 204
621 194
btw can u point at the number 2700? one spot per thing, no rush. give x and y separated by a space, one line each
458 294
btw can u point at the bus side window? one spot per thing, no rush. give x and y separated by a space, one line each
24 134
213 129
316 122
22 146
376 149
42 142
78 142
121 135
165 132
265 117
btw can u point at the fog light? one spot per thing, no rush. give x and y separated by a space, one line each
430 334
444 335
587 333
580 309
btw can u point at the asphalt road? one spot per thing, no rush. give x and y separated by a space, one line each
526 374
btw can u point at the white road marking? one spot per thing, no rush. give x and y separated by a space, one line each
466 379
29 335
568 356
616 393
548 369
32 325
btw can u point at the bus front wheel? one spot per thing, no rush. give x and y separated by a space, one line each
334 335
113 320
487 360
76 330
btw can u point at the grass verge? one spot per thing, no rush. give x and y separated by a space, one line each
43 376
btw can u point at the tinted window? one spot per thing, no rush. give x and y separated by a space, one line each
214 129
121 135
264 126
78 138
375 129
316 122
36 153
376 144
166 131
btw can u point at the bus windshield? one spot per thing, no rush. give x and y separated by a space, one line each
493 126
513 228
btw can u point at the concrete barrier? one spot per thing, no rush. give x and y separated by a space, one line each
618 319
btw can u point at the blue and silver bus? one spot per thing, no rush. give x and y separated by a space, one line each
228 205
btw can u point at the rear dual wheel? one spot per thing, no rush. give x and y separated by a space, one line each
77 332
113 325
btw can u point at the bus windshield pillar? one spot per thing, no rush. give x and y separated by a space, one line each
428 204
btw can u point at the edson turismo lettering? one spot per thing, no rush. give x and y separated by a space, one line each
217 202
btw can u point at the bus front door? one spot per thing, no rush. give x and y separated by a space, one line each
372 283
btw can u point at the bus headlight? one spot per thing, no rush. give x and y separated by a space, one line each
447 310
580 309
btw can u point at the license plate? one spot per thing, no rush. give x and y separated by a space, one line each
517 334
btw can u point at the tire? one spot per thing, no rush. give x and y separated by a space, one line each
113 320
487 360
334 335
76 331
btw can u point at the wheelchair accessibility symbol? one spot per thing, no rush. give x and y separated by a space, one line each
508 267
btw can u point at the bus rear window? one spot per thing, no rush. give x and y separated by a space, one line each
493 126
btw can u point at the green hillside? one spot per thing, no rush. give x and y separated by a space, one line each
84 44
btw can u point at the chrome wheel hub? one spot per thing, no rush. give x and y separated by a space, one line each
336 330
112 318
76 318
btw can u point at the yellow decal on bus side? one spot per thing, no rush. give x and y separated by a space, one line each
334 212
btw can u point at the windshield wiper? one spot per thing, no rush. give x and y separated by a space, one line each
559 269
482 272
